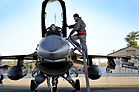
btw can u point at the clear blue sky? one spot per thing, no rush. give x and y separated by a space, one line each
108 22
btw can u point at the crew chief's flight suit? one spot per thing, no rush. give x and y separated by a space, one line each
79 27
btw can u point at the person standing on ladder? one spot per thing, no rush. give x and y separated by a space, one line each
79 27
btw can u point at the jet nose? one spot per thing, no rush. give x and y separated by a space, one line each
53 47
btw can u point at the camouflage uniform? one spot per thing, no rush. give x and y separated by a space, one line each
79 27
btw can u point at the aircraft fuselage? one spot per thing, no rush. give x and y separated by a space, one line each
54 52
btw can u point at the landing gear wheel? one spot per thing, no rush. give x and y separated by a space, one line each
77 86
33 86
54 84
54 89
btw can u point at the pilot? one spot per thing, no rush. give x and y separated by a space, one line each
79 27
53 30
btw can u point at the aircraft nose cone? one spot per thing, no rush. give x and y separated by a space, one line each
53 47
51 44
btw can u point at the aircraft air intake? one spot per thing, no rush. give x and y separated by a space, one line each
54 68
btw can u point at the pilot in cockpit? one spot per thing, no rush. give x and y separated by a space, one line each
53 30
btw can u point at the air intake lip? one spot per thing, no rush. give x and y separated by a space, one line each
54 68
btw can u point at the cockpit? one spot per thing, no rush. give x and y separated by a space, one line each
57 31
54 12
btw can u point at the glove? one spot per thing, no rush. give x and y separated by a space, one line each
71 26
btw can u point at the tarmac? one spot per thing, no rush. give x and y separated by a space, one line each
104 84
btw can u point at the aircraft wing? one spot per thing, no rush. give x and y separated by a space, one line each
103 56
111 63
32 56
4 66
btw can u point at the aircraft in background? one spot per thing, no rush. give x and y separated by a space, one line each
2 69
54 58
130 65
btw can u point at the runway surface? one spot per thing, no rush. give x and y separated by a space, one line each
104 84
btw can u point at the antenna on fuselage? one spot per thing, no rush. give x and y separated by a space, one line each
55 18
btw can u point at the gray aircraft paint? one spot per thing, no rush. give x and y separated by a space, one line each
54 50
53 47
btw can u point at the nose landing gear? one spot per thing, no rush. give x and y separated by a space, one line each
54 84
33 86
77 86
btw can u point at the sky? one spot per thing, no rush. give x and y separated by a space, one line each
108 22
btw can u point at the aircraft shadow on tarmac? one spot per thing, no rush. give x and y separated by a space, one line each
70 89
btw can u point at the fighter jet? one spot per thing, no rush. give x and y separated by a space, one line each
130 65
54 58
